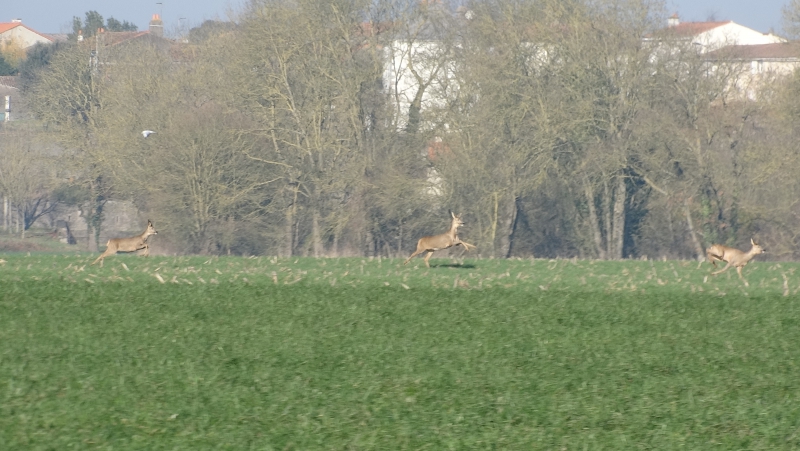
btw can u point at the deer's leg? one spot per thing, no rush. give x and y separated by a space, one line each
428 257
739 270
419 250
712 259
102 256
416 252
146 252
467 245
727 267
101 259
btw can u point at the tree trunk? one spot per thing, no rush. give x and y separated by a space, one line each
370 243
594 222
316 236
415 108
290 237
608 222
690 226
289 231
508 220
334 251
414 113
400 240
618 235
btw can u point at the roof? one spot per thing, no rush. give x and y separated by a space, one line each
58 37
9 81
781 50
123 38
7 26
695 28
117 37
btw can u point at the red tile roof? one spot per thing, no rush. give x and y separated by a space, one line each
695 28
117 37
6 26
9 25
781 50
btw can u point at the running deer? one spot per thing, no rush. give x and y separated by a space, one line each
734 257
131 244
438 242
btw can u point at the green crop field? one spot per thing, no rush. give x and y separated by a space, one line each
190 353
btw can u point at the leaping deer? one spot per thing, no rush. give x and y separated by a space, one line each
130 244
438 242
734 257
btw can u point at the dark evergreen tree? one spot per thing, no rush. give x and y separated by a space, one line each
94 21
37 57
6 68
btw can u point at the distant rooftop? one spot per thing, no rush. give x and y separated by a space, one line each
778 51
695 28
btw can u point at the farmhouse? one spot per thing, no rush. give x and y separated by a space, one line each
711 36
16 33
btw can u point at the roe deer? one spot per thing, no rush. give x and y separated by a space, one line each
734 257
131 244
438 242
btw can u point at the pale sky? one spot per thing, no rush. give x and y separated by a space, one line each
55 16
760 15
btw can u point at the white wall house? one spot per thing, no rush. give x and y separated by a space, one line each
711 36
21 34
419 64
759 64
765 59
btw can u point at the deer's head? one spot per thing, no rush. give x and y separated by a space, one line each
150 229
457 222
756 248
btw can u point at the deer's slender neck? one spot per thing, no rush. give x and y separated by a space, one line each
453 231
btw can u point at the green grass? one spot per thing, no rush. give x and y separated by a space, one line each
265 353
36 240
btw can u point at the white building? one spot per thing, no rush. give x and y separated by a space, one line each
711 36
15 31
759 65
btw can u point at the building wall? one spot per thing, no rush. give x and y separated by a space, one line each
23 36
734 34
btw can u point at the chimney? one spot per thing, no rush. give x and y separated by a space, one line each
16 20
156 26
673 20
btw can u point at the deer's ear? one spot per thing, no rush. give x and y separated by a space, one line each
752 242
452 214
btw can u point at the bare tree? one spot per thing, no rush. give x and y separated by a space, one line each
68 95
27 175
308 66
